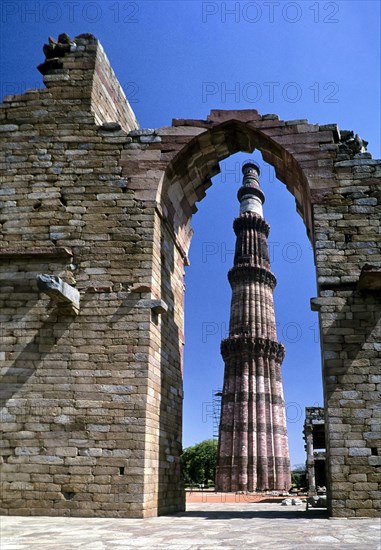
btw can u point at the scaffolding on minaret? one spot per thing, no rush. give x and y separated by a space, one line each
216 411
253 444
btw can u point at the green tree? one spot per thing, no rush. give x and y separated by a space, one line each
199 462
298 476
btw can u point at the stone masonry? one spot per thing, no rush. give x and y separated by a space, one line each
253 444
92 383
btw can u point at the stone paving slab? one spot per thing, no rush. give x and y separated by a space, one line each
201 527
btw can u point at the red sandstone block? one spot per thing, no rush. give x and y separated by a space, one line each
244 115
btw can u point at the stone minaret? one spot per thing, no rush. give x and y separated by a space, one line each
253 445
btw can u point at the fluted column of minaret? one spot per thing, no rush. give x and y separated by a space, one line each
253 445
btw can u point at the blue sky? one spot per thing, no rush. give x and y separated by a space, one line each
315 60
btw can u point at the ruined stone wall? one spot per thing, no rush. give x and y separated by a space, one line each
91 403
347 233
75 402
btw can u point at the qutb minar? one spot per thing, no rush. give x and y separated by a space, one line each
253 445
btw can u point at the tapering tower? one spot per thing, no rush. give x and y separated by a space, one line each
253 444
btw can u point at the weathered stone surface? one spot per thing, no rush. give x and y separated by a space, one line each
123 210
370 278
111 126
58 290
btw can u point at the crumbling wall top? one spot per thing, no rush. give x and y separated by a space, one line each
78 69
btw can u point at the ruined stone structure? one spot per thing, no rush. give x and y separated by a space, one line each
253 446
314 436
92 382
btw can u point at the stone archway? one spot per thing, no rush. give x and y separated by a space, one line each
333 181
96 387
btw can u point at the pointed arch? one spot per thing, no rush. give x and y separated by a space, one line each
299 152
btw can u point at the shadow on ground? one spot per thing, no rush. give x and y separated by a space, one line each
259 514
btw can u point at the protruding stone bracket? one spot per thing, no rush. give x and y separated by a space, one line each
370 278
315 304
59 291
157 306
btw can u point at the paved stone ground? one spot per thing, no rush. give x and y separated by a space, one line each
210 497
202 527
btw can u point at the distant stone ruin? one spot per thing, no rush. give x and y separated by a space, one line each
314 436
